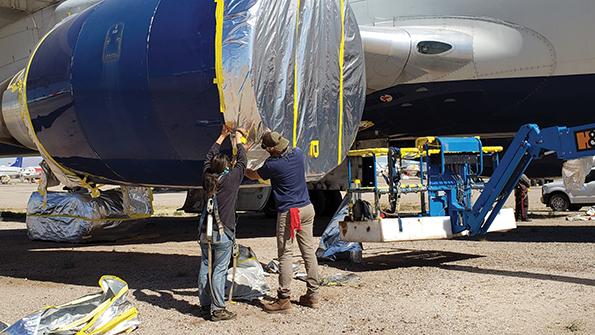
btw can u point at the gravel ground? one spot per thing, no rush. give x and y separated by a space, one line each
538 279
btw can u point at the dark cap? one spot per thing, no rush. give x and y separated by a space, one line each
274 140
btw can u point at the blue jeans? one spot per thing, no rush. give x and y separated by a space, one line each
222 250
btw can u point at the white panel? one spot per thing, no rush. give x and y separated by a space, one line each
414 228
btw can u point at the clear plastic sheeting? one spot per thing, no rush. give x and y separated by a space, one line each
296 70
105 313
137 201
77 217
574 173
331 246
250 283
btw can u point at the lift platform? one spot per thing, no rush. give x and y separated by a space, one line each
450 170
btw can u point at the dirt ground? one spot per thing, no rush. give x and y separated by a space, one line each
538 279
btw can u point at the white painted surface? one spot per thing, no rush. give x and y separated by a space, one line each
414 228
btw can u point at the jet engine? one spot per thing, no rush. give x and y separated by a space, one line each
136 91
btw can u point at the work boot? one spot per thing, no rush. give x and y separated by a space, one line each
222 315
280 306
311 300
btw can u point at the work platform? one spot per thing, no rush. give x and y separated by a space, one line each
450 169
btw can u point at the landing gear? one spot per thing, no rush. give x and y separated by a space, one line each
325 202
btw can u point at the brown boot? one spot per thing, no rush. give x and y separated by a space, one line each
311 300
280 306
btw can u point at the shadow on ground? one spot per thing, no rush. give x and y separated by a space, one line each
403 258
160 276
537 233
161 230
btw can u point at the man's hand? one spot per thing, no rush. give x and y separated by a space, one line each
252 175
225 131
238 136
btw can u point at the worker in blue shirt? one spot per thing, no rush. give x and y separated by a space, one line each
285 168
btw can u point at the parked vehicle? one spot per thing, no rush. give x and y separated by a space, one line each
555 195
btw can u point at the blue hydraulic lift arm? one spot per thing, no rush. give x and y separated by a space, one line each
529 143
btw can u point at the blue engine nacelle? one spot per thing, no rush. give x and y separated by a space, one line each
141 112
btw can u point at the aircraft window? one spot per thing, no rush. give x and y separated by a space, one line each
432 47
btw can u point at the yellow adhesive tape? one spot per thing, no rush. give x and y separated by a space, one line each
219 80
296 99
341 82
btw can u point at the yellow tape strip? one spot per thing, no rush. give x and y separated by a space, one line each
106 304
296 100
126 316
341 82
219 17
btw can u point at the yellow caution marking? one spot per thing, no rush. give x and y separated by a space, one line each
315 149
219 80
341 82
296 98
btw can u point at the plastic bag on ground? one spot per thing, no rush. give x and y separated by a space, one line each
250 283
77 217
106 313
574 173
273 267
339 279
331 246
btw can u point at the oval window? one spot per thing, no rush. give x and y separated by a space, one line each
432 47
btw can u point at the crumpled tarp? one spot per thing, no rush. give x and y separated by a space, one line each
574 173
331 246
588 216
339 279
78 217
250 283
105 313
284 67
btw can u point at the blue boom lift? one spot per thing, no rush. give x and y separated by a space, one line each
454 166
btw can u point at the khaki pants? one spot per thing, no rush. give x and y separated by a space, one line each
306 243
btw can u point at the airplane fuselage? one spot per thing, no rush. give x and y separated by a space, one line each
448 68
509 63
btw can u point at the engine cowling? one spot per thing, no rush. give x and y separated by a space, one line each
124 92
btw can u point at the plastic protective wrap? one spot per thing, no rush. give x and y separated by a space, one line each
250 283
574 172
331 246
295 67
77 217
105 313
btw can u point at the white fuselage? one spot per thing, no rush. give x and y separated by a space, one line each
491 39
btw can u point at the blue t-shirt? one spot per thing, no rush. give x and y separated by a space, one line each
288 179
